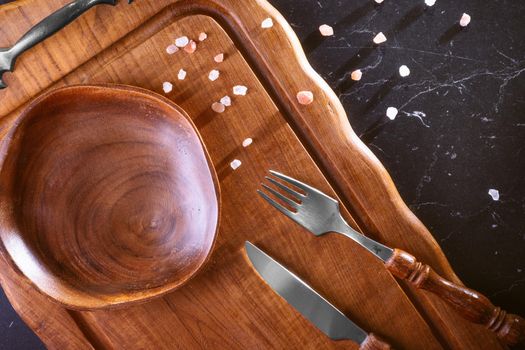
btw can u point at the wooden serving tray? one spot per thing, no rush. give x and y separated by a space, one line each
227 305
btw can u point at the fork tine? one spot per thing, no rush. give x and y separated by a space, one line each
281 197
293 181
276 205
309 190
285 188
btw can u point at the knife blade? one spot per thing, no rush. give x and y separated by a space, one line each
326 317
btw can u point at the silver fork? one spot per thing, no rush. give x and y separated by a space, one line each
317 212
320 214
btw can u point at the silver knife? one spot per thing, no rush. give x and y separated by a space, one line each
326 317
44 29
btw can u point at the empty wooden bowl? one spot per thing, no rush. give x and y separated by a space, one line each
107 196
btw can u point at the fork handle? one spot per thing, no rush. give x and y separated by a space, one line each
373 342
470 304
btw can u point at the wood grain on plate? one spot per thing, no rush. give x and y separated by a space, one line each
107 196
227 305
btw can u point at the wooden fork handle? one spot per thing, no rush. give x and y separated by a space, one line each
470 304
373 342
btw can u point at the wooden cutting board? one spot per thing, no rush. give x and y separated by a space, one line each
228 306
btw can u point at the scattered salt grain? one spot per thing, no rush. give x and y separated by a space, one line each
356 75
235 164
465 20
305 97
219 58
191 47
404 71
182 41
430 2
226 100
391 113
167 87
379 1
240 90
247 142
379 38
267 23
171 49
218 107
214 75
203 36
326 30
494 194
182 74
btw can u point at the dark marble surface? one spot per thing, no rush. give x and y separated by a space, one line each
460 130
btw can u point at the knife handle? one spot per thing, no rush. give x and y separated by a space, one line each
470 304
373 342
44 29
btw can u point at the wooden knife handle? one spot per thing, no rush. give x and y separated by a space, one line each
373 342
470 304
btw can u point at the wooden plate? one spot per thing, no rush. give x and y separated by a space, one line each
107 196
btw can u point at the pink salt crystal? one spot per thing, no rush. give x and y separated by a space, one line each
203 36
267 23
226 100
191 47
240 90
182 41
219 58
171 49
247 142
235 164
356 75
218 107
326 30
465 20
305 97
214 75
379 38
182 74
167 87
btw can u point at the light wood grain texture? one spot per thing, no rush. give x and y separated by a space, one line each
227 305
50 321
373 342
107 196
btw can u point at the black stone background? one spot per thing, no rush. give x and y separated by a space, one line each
471 86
